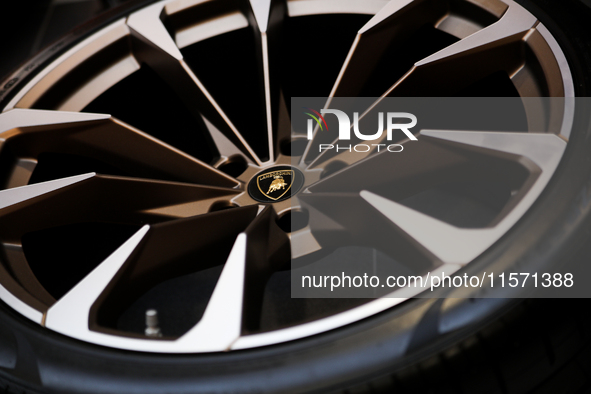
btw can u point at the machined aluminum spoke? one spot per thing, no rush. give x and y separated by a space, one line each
221 324
540 153
497 47
460 246
91 197
426 163
267 20
267 251
394 23
197 243
338 219
70 315
224 146
449 243
21 281
29 133
282 130
156 47
22 197
143 261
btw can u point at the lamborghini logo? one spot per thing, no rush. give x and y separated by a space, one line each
275 184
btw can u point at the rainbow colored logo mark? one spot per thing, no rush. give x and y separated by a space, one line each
316 119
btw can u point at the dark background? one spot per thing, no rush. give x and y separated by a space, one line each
27 26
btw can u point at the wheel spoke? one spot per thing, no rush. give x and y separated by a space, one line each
497 47
460 246
267 20
267 251
221 324
258 252
173 249
91 197
449 243
413 171
224 146
283 130
32 299
32 132
394 23
144 260
24 194
338 219
156 47
453 156
70 315
88 198
332 202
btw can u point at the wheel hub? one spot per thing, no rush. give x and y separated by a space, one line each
275 184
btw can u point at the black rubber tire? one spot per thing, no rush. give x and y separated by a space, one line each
494 345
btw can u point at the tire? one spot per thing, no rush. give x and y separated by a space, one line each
438 345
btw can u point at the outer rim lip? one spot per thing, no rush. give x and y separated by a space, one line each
365 310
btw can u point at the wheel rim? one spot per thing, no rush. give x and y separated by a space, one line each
176 194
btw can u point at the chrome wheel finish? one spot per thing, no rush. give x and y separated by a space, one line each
178 203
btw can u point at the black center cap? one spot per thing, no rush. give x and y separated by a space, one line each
275 184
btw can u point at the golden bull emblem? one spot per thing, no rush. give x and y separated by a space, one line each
276 183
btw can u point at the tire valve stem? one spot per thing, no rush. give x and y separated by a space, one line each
152 328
